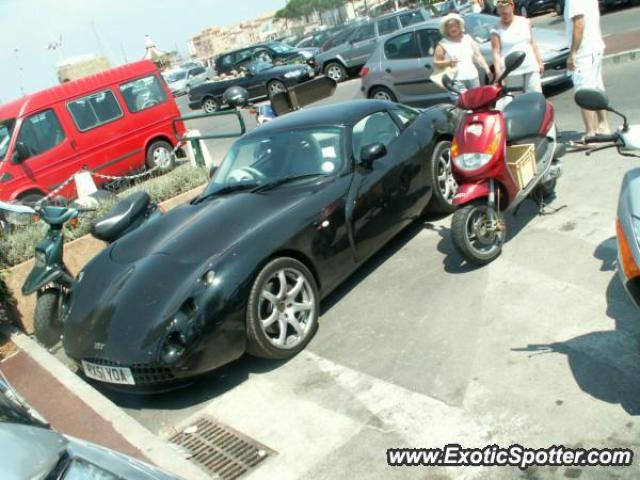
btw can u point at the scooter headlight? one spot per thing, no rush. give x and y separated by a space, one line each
471 161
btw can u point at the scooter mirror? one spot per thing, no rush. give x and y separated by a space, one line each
592 99
512 62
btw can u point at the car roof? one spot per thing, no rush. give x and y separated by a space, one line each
340 114
395 14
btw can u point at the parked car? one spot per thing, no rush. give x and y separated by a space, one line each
259 79
273 52
296 206
401 66
344 59
112 123
604 4
181 80
29 448
529 8
337 39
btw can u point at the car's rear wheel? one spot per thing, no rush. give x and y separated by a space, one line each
442 181
210 105
282 311
275 87
160 154
382 93
335 72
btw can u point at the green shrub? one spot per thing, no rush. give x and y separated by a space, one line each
20 244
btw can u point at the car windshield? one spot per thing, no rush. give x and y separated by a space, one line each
281 48
6 128
479 26
176 76
80 469
280 156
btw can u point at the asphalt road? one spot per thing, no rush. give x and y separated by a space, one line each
616 20
539 348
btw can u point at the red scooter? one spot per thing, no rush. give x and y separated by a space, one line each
486 187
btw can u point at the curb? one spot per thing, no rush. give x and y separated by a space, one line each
622 57
156 450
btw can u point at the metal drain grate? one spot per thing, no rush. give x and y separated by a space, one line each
221 450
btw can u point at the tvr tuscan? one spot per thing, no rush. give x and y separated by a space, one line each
295 207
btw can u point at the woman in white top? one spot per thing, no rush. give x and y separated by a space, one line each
513 34
459 51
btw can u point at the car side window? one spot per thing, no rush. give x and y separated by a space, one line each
196 71
387 25
41 132
401 47
94 110
143 93
366 32
405 115
411 18
428 40
378 127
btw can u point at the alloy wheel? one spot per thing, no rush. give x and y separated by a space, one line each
482 237
286 309
446 182
162 157
276 87
334 73
382 95
210 106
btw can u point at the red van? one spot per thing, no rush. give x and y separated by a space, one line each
110 123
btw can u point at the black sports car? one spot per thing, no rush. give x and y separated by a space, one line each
260 79
295 207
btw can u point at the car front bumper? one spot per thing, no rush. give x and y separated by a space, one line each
555 71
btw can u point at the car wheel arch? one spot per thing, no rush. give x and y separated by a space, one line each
296 255
156 138
31 190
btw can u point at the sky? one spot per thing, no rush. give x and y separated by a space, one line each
115 28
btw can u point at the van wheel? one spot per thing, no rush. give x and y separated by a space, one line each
160 154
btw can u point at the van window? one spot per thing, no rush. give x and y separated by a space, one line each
41 132
142 93
94 110
365 32
6 129
401 47
387 25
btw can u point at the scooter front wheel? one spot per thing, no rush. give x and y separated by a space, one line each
478 239
47 322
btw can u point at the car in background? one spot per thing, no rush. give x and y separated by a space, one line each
259 78
29 448
272 52
401 66
337 39
315 40
181 80
529 8
604 4
340 61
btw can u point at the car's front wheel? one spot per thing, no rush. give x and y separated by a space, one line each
336 72
382 93
275 87
210 105
282 311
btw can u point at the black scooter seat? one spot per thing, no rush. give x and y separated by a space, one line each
120 217
524 116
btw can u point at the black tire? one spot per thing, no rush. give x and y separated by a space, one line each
439 202
258 343
210 105
335 71
274 87
31 198
461 240
382 93
160 147
47 322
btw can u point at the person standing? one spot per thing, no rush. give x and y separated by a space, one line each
477 6
458 50
514 34
582 21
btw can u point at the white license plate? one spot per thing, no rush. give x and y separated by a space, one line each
107 374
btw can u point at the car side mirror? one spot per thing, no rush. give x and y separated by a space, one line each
592 99
20 153
370 153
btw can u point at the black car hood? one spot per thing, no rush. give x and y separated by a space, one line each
130 292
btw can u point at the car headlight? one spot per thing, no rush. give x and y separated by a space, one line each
294 74
173 347
471 161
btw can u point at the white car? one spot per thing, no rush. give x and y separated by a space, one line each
181 80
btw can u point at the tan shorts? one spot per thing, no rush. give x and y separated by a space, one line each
588 72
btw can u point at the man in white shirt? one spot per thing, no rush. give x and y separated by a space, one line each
582 20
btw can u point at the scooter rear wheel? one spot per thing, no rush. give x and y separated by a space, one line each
47 322
472 235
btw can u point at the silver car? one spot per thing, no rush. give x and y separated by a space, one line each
181 80
348 57
400 67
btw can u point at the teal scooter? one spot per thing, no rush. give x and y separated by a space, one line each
50 278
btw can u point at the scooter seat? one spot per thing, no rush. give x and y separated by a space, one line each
524 116
120 217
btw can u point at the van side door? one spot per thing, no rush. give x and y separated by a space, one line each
43 155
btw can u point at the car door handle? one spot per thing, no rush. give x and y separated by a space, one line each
388 70
428 66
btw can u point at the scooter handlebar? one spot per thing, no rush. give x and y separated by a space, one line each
613 137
